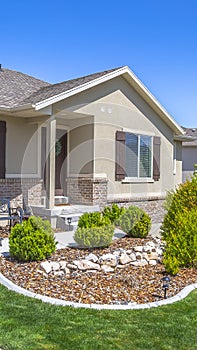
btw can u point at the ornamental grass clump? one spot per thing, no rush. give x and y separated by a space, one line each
179 228
32 240
135 222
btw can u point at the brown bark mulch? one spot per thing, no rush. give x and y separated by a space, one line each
128 284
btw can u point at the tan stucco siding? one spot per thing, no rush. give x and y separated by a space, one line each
22 142
81 150
189 159
115 105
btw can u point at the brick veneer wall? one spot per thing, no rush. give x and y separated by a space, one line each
89 191
17 190
153 206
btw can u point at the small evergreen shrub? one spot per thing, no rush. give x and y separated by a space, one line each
32 240
179 228
94 237
181 244
90 220
135 222
113 213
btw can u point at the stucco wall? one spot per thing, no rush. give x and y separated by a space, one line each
81 149
189 159
115 105
21 148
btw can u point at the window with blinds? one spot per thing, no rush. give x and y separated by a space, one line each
138 156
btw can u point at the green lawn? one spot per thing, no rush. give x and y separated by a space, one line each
29 324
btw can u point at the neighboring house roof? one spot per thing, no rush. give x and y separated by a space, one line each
191 132
16 86
22 91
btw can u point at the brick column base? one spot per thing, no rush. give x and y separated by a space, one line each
88 191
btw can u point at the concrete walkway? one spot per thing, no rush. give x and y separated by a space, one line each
66 239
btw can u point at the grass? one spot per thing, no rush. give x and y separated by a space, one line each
29 324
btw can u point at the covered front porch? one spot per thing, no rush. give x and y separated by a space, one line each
70 186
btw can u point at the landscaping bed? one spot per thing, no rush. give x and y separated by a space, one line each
138 284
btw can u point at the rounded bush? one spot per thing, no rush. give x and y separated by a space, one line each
94 237
135 222
96 219
113 213
32 240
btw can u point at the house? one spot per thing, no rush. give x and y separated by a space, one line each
98 139
189 153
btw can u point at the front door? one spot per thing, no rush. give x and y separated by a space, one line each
60 160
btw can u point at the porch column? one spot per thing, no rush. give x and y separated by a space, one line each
50 162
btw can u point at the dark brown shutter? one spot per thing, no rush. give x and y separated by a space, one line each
2 149
120 156
156 157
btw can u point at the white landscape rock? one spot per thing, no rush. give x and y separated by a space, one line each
108 259
46 266
107 268
92 257
55 266
124 259
153 256
138 248
71 266
138 256
67 271
62 264
86 265
150 253
132 257
147 249
152 262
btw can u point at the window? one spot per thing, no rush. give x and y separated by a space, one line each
138 155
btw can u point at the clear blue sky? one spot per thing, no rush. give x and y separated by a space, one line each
64 39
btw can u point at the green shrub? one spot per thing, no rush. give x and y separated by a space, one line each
113 213
94 237
32 240
96 219
179 227
135 222
181 244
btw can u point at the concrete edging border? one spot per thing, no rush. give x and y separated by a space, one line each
181 295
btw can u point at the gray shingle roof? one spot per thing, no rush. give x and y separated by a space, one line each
17 89
190 132
56 89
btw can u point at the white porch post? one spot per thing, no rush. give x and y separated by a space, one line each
50 164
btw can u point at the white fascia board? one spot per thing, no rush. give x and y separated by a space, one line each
141 88
78 89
